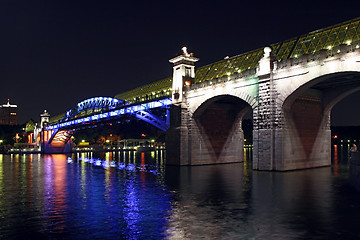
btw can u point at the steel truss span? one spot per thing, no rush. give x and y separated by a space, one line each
95 103
138 110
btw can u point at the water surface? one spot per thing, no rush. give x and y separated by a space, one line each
131 195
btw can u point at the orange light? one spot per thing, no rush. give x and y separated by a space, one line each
335 136
187 83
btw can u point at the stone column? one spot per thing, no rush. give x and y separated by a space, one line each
177 138
265 135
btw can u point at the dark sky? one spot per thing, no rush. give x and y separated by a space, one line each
54 54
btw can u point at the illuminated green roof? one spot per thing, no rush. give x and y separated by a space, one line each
153 90
56 118
327 38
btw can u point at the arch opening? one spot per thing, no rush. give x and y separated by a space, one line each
219 121
345 112
307 139
345 128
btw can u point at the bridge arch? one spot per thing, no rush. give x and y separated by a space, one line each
93 104
334 87
216 129
90 112
238 104
247 93
306 116
59 139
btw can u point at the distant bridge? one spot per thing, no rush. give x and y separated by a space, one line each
290 87
106 108
100 109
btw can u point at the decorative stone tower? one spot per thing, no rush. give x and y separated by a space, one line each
44 118
184 74
177 137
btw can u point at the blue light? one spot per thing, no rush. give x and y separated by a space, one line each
112 164
154 172
105 164
94 103
121 166
130 167
126 109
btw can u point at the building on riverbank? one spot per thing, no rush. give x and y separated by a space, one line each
8 114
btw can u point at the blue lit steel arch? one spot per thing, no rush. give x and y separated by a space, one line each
140 111
104 103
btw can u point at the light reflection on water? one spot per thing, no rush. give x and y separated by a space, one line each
54 196
131 195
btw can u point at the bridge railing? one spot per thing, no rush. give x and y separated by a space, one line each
226 78
319 55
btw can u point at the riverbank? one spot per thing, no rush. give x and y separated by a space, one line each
87 149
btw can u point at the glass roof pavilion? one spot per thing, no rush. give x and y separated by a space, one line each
327 38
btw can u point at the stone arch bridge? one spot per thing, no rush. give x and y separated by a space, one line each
289 88
290 100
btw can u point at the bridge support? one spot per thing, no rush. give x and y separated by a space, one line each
212 136
177 138
58 141
293 133
292 146
53 148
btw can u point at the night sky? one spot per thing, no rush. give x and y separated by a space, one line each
54 54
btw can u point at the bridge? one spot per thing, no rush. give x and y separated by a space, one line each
289 87
56 136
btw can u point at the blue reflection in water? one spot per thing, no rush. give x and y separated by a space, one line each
131 209
142 211
127 195
81 197
130 167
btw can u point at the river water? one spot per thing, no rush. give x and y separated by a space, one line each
131 195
